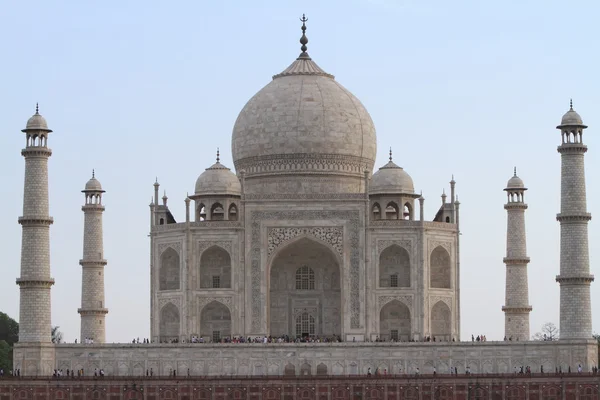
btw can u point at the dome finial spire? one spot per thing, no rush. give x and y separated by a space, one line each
93 173
390 153
37 108
304 39
515 171
218 158
571 104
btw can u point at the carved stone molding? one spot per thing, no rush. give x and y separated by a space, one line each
333 236
406 300
445 244
176 301
226 245
447 300
304 196
276 164
175 246
258 217
384 244
227 301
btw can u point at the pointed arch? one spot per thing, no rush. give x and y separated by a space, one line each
289 370
376 211
169 274
441 321
215 268
215 321
169 323
217 212
395 322
392 211
407 212
394 267
305 369
321 369
201 212
232 212
440 269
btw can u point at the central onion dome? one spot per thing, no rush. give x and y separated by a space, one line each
304 133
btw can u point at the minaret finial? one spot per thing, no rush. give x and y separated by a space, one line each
218 158
571 104
304 39
390 153
37 108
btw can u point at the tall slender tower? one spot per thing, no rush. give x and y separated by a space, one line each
517 308
35 281
92 309
574 278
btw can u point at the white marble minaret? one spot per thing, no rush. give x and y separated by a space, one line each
574 278
516 308
92 308
35 281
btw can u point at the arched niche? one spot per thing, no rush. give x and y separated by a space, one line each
395 322
441 321
215 321
440 269
394 267
169 270
169 323
215 269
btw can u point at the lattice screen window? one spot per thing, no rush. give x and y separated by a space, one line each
394 280
216 336
394 334
305 325
305 278
216 281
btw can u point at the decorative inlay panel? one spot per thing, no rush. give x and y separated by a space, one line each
175 246
258 217
447 300
333 236
202 301
162 301
435 243
226 245
384 244
406 300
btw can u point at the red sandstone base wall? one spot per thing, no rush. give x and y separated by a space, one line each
440 387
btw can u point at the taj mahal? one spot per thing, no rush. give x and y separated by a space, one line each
304 237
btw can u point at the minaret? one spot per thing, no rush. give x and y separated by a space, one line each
35 281
92 309
517 308
574 278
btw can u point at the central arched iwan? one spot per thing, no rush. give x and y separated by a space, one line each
304 291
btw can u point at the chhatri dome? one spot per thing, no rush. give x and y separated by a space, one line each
515 182
37 122
218 180
571 117
302 124
391 179
93 185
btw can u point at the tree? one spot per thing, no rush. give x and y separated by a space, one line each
57 336
9 335
549 333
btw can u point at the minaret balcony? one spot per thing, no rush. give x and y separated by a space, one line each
92 263
92 311
516 260
517 309
575 280
567 148
576 217
36 151
44 283
36 220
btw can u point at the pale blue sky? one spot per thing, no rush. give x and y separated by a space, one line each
140 89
